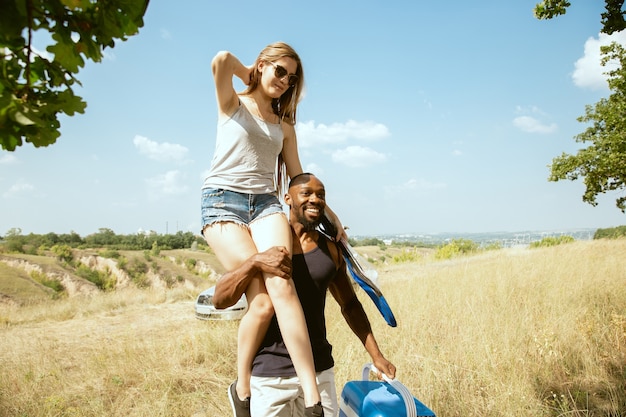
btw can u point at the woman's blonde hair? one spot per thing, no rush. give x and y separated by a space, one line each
285 106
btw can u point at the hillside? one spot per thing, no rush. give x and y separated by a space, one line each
25 279
533 332
21 275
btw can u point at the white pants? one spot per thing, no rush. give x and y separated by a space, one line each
282 397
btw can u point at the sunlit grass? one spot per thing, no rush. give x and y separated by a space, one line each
538 332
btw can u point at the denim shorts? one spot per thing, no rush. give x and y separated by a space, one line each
219 205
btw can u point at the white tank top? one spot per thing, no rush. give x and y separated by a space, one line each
246 151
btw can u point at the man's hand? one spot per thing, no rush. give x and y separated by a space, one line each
386 367
274 261
229 288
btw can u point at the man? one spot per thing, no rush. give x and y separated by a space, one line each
316 266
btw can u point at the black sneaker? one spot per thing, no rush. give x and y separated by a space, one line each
315 411
240 408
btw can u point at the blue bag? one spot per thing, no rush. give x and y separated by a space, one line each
388 398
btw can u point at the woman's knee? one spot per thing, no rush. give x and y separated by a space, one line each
261 308
281 291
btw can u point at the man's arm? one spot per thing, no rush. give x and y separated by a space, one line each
233 284
342 290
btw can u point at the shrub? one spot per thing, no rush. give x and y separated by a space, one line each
63 252
141 280
190 263
552 241
610 233
155 251
136 269
43 279
103 280
456 247
407 255
110 253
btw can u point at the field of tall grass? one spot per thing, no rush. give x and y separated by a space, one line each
512 332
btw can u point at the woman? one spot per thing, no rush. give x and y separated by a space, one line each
241 214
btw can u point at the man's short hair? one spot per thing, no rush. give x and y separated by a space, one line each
300 179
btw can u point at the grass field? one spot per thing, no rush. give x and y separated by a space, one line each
514 332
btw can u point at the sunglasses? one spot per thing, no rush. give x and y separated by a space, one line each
280 72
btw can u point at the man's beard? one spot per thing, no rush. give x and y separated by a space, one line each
308 225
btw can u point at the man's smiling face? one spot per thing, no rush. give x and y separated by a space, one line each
307 201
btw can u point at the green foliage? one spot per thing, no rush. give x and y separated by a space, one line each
14 241
552 241
43 279
190 263
455 248
548 9
155 251
63 252
122 263
103 280
612 19
110 253
34 88
134 267
610 233
371 241
407 255
141 280
601 164
104 238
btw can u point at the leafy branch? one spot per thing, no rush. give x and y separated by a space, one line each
35 89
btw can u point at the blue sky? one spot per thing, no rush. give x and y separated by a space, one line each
420 117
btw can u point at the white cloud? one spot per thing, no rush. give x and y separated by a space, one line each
358 156
310 134
17 189
530 109
530 120
165 34
414 184
531 125
162 152
168 184
314 169
8 159
588 72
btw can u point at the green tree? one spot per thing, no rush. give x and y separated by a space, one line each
15 241
602 164
63 252
34 89
612 19
104 237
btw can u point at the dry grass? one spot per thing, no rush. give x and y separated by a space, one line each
509 333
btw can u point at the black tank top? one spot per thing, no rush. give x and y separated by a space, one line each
312 273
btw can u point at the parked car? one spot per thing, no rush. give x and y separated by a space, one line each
205 310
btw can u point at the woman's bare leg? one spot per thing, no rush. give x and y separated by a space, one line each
274 230
232 245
